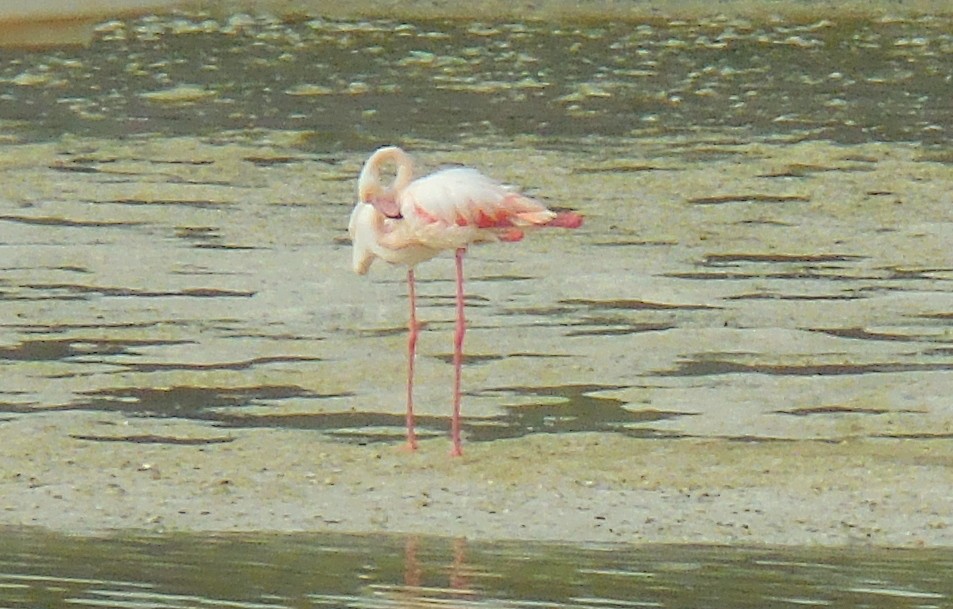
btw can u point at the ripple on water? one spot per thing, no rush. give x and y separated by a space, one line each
272 572
856 79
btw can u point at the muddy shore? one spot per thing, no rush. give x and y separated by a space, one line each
758 357
585 488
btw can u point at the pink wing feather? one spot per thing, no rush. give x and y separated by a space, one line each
454 207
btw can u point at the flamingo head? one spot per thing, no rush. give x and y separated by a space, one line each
370 190
364 224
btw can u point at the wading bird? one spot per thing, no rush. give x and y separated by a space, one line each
410 221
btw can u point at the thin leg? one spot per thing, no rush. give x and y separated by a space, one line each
458 358
413 331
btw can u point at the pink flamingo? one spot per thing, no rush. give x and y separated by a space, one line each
410 221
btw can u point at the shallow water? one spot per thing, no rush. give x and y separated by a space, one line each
260 572
177 193
355 84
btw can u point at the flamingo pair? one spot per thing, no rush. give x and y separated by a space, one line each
413 220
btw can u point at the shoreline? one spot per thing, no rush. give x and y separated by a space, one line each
179 477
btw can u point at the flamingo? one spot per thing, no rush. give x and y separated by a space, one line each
413 220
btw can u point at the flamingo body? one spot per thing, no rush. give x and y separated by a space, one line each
413 220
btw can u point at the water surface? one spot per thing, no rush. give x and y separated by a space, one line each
373 571
354 84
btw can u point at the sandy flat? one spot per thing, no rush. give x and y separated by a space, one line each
588 487
748 343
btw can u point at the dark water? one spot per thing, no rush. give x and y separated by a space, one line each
355 84
40 570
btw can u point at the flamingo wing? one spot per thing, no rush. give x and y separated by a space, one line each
453 207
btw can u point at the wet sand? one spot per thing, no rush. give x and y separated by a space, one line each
569 488
747 342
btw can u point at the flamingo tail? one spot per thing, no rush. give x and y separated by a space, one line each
566 219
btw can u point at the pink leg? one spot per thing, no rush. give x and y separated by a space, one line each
458 358
413 331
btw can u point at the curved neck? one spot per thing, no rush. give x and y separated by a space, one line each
370 189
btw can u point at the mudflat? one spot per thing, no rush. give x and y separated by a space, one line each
747 344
